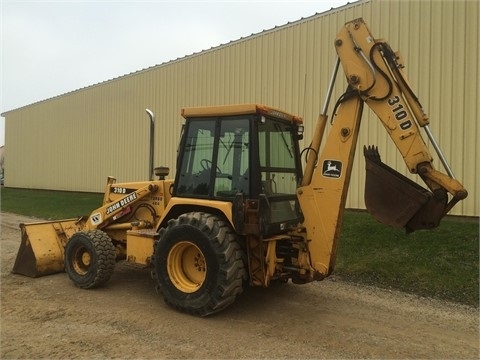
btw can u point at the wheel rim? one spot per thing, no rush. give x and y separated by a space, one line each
186 266
81 260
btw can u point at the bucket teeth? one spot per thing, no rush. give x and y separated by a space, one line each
371 153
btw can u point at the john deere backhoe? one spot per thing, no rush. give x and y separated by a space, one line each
240 209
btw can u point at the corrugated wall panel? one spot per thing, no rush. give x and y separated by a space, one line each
471 159
75 141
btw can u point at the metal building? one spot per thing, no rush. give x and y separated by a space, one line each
75 140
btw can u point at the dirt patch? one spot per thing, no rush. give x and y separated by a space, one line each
49 317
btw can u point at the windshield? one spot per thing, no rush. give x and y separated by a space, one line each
216 158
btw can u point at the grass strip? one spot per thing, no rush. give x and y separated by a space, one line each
49 204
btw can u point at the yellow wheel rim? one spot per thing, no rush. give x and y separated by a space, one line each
186 267
81 260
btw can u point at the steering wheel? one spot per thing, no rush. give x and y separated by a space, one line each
207 165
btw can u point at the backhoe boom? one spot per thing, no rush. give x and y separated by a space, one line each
376 78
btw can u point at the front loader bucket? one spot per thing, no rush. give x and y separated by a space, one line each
41 248
395 200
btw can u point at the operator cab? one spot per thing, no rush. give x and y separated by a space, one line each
247 152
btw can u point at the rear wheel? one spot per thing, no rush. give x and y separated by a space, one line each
198 264
89 258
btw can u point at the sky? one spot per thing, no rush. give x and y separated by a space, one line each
51 47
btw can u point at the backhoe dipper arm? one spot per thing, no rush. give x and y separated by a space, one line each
375 77
375 72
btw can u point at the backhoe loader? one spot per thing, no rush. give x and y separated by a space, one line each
241 210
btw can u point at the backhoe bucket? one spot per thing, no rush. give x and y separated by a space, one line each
42 246
395 200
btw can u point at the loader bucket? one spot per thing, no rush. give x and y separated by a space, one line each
41 247
395 200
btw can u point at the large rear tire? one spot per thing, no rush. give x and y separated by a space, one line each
89 258
198 264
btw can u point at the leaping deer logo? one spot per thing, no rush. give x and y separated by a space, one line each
331 167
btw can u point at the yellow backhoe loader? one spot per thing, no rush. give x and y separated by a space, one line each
241 210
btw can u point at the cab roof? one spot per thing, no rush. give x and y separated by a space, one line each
238 109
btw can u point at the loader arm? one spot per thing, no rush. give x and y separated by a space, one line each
42 247
114 210
375 77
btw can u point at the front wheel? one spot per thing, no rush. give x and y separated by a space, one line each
198 264
89 258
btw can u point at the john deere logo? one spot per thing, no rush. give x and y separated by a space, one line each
332 168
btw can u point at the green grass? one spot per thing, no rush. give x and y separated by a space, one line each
441 263
47 204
